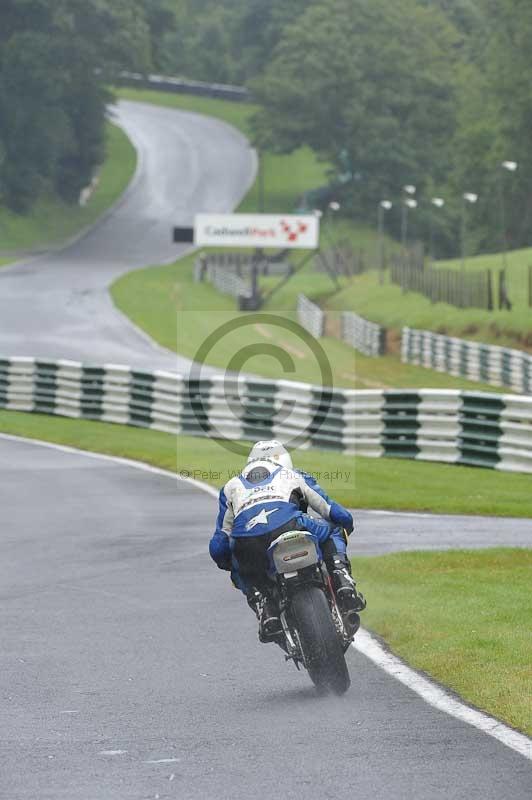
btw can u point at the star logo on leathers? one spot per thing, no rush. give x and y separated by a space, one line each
260 519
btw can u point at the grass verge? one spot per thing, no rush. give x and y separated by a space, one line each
461 616
180 314
52 222
391 484
388 305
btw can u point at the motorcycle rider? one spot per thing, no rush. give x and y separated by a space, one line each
268 498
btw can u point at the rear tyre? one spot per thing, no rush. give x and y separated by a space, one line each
322 648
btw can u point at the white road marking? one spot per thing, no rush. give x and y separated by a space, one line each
383 513
364 643
436 696
113 752
163 761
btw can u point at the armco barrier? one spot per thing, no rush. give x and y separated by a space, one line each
241 264
367 337
228 282
310 316
225 280
457 427
164 83
490 364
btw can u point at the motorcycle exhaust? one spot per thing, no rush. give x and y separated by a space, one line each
353 620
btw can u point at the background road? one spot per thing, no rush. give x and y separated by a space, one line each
379 532
131 670
58 306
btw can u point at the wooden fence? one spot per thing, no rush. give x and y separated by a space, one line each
457 288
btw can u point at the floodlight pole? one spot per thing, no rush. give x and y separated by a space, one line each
463 233
437 202
408 191
255 261
467 197
383 206
260 177
258 254
509 166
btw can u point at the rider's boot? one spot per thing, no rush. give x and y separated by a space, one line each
267 614
349 600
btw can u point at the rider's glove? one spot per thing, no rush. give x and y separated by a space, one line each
220 550
340 516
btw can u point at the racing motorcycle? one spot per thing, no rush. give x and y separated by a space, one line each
315 634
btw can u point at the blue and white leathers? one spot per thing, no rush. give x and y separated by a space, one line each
248 508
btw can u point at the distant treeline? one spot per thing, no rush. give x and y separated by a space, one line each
55 60
434 93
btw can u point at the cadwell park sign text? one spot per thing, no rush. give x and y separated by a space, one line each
289 231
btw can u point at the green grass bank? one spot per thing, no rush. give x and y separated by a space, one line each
463 617
180 314
389 306
391 484
52 223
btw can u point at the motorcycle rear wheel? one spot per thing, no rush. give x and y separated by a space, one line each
322 648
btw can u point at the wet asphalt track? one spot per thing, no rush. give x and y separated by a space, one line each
128 667
130 670
58 306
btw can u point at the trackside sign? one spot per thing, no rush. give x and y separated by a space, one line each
257 230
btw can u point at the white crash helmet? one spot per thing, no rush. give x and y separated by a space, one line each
272 450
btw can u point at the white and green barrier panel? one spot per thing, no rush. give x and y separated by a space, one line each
472 428
365 336
310 316
498 366
224 279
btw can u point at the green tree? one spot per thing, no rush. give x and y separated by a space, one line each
54 62
494 124
200 47
466 15
227 40
161 20
34 126
367 84
258 28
